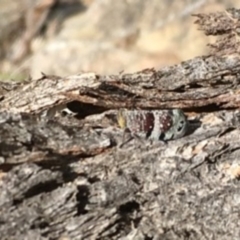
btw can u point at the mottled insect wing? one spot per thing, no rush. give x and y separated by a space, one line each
143 123
165 121
139 122
155 124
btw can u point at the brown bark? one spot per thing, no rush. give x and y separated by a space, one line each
72 178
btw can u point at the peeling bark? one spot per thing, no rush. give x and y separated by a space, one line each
69 177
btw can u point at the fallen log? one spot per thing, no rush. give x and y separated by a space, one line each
74 178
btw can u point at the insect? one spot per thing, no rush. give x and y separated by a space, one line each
154 124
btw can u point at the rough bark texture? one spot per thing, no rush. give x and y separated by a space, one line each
65 177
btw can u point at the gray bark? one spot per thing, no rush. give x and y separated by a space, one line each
74 178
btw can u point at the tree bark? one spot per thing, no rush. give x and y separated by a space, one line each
65 177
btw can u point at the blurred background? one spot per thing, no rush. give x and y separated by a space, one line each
65 37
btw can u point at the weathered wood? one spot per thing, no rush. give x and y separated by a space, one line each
200 82
27 139
127 191
70 178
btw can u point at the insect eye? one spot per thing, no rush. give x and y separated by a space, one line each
179 129
181 126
